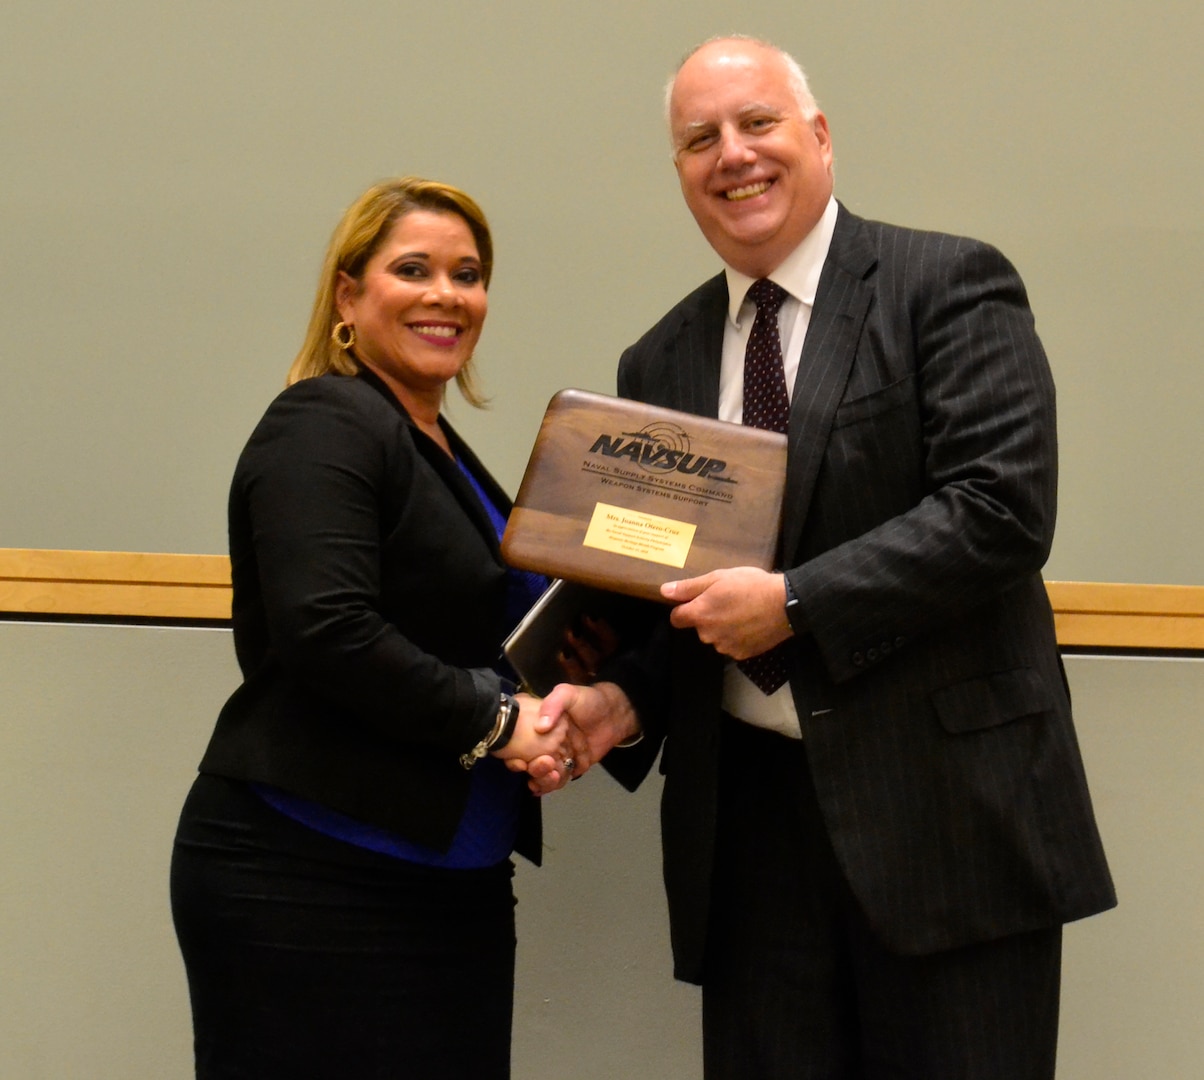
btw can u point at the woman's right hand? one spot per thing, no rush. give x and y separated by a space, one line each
535 739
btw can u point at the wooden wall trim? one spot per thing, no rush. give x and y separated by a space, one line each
1105 615
188 588
114 584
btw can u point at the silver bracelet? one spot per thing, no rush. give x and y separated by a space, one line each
507 708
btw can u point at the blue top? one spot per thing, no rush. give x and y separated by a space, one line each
489 826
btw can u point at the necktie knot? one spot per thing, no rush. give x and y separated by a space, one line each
768 295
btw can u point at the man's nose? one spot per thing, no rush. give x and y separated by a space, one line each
734 150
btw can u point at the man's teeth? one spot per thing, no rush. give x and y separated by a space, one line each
438 331
747 192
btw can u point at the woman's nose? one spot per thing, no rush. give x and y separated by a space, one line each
442 290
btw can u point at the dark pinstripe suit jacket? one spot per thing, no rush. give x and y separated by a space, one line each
921 489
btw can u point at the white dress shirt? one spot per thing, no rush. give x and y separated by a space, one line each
799 276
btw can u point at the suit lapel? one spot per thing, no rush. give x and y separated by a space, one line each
699 350
841 303
447 468
461 486
842 300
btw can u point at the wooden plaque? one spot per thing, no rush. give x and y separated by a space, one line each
625 496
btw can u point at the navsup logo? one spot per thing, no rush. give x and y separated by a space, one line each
661 448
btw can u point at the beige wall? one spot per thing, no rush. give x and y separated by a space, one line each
170 175
172 172
100 730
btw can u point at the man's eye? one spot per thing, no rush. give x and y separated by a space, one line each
700 142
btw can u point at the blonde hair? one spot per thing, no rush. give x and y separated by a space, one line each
357 237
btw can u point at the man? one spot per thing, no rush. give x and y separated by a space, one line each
868 868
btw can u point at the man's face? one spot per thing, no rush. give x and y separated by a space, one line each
755 174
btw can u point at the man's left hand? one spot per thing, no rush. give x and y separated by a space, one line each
740 611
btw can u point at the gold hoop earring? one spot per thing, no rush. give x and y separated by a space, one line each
336 335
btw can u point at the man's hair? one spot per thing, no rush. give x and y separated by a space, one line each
795 75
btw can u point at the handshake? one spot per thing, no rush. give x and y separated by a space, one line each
561 736
739 611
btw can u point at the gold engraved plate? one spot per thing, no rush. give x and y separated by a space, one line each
623 496
642 536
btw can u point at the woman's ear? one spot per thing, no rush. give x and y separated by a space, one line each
346 288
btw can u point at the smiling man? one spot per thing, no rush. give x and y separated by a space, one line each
875 817
752 152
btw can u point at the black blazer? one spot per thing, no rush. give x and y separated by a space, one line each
921 487
369 604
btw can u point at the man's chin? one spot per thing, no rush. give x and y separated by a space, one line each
750 221
745 235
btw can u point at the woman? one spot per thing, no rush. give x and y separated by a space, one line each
341 880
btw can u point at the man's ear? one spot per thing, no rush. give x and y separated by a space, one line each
823 136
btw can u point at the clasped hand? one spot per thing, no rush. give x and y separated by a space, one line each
571 729
740 611
563 735
547 742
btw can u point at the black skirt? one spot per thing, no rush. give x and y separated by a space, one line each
309 957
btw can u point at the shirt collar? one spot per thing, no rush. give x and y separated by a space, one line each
798 273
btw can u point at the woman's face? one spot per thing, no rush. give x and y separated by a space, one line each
420 305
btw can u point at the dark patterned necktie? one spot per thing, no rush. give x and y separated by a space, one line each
766 405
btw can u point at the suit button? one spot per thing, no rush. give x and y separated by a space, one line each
885 648
858 660
900 642
872 655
